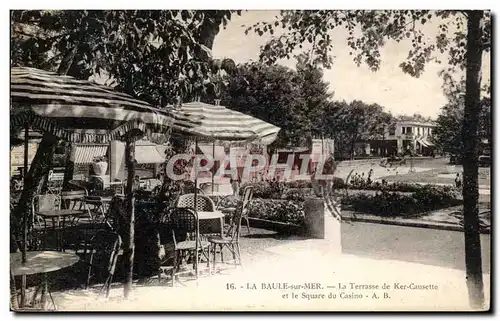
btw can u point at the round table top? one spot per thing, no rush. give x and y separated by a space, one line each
228 209
41 262
73 197
60 213
217 194
209 215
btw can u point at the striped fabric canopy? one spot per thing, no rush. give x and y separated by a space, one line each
219 123
82 111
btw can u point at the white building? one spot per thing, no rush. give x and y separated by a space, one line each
412 135
407 134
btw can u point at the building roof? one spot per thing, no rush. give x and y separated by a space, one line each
415 120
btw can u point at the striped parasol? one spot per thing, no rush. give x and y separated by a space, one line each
82 111
219 123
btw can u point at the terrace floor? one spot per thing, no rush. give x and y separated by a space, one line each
271 260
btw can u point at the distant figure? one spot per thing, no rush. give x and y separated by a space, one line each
155 181
137 183
458 181
235 185
321 186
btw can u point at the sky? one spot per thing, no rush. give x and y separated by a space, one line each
398 92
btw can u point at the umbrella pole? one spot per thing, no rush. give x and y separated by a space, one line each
195 173
129 237
25 171
213 161
25 218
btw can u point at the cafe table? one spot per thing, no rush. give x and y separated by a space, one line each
75 197
58 218
211 223
41 262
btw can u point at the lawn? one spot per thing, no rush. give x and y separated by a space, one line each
439 176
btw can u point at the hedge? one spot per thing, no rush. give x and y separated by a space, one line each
394 204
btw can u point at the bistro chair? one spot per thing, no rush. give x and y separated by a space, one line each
80 185
73 199
207 188
95 209
231 240
43 203
247 198
203 203
166 244
186 240
117 187
101 261
29 307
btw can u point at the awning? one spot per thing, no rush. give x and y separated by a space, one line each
220 154
429 143
422 142
293 150
148 154
84 154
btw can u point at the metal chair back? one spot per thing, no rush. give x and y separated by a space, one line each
184 225
94 207
234 230
208 188
247 195
203 202
44 202
105 247
117 187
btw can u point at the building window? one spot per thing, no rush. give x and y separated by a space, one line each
408 130
403 130
418 130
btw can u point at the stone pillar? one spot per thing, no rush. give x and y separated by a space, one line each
368 150
320 223
400 145
117 160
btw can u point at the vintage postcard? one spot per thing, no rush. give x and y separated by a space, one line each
245 160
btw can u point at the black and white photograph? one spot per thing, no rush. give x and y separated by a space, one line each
250 160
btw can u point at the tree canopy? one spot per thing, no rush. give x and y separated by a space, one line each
461 37
157 56
308 31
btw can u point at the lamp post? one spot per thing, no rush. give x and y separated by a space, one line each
383 142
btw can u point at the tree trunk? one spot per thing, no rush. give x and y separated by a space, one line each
353 145
473 260
69 167
40 167
128 242
64 68
14 304
67 61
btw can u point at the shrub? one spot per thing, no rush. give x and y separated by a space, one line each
284 211
398 187
338 183
386 203
299 184
432 196
296 194
266 189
